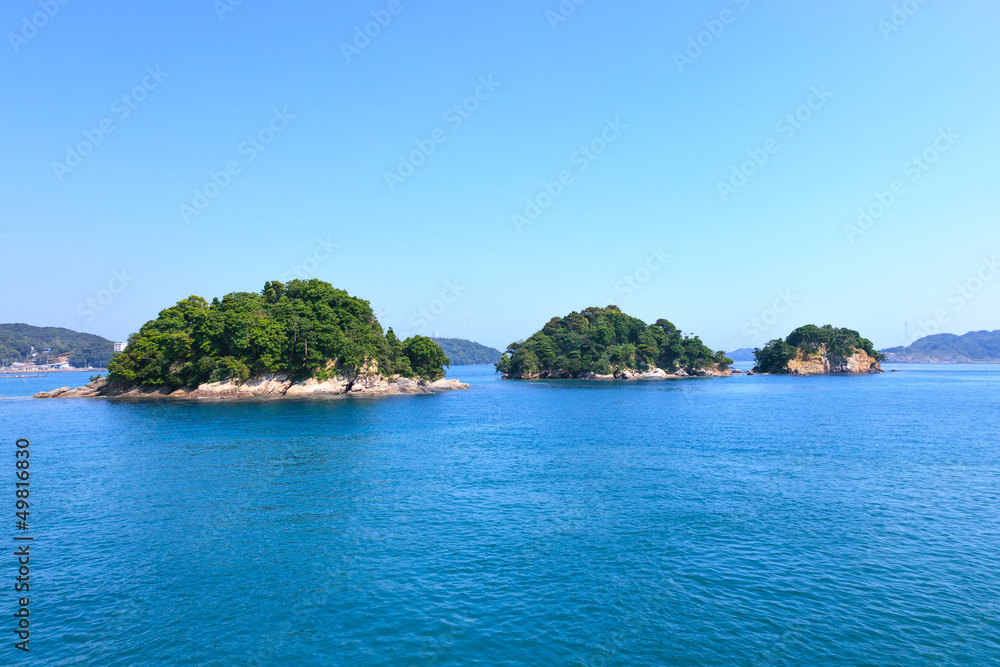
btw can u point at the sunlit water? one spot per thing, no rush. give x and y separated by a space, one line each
736 521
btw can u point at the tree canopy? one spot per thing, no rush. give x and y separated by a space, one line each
837 345
305 328
604 341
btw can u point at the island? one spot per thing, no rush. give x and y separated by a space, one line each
303 338
742 354
462 352
812 350
975 347
606 344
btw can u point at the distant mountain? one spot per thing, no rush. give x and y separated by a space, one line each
742 354
16 341
463 352
973 347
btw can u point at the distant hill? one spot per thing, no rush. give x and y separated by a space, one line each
463 352
973 347
16 341
742 354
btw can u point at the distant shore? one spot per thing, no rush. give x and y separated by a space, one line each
943 363
60 370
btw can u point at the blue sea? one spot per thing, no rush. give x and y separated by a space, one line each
732 521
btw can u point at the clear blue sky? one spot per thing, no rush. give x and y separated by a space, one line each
679 128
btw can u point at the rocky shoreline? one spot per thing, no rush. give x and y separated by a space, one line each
265 386
632 374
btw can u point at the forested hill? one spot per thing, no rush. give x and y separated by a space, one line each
303 329
973 347
462 352
16 341
604 341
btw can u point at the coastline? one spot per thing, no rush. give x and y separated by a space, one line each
940 363
267 386
60 370
632 375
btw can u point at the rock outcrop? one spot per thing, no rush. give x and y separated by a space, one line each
87 391
819 364
265 386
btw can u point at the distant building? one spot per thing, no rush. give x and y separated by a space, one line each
435 335
120 347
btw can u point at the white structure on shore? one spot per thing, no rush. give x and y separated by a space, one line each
120 347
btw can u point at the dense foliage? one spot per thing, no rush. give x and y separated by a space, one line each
774 357
463 352
604 341
975 346
838 345
16 341
304 329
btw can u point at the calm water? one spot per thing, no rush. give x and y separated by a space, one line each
743 521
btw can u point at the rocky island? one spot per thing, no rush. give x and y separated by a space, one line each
812 350
606 344
305 338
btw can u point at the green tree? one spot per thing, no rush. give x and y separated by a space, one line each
426 358
774 357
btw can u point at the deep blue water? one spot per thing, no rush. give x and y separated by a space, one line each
740 521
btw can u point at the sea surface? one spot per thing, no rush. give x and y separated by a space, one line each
732 521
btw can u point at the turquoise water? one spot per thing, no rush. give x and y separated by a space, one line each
741 521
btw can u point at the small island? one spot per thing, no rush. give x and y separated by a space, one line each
606 344
812 350
304 338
